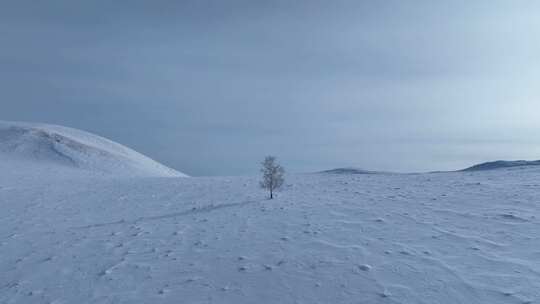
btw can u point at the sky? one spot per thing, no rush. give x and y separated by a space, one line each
211 87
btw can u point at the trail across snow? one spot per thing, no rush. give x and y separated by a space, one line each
422 238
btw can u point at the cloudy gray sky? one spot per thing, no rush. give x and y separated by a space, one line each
210 87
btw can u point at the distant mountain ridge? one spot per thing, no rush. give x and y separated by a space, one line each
349 170
492 165
502 164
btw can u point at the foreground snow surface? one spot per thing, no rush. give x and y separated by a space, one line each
425 238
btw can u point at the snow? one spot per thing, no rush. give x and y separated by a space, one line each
49 147
459 237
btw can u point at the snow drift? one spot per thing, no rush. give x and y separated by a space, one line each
32 146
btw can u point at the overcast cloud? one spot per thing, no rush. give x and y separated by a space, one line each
210 87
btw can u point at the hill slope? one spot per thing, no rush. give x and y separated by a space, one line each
28 146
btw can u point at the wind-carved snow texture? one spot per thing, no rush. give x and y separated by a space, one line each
423 238
67 236
59 148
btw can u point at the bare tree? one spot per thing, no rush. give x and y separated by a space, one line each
272 175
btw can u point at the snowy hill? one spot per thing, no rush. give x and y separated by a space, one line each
49 147
502 164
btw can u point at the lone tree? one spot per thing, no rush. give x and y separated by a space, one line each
272 175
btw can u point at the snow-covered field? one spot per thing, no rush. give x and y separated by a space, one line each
71 236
